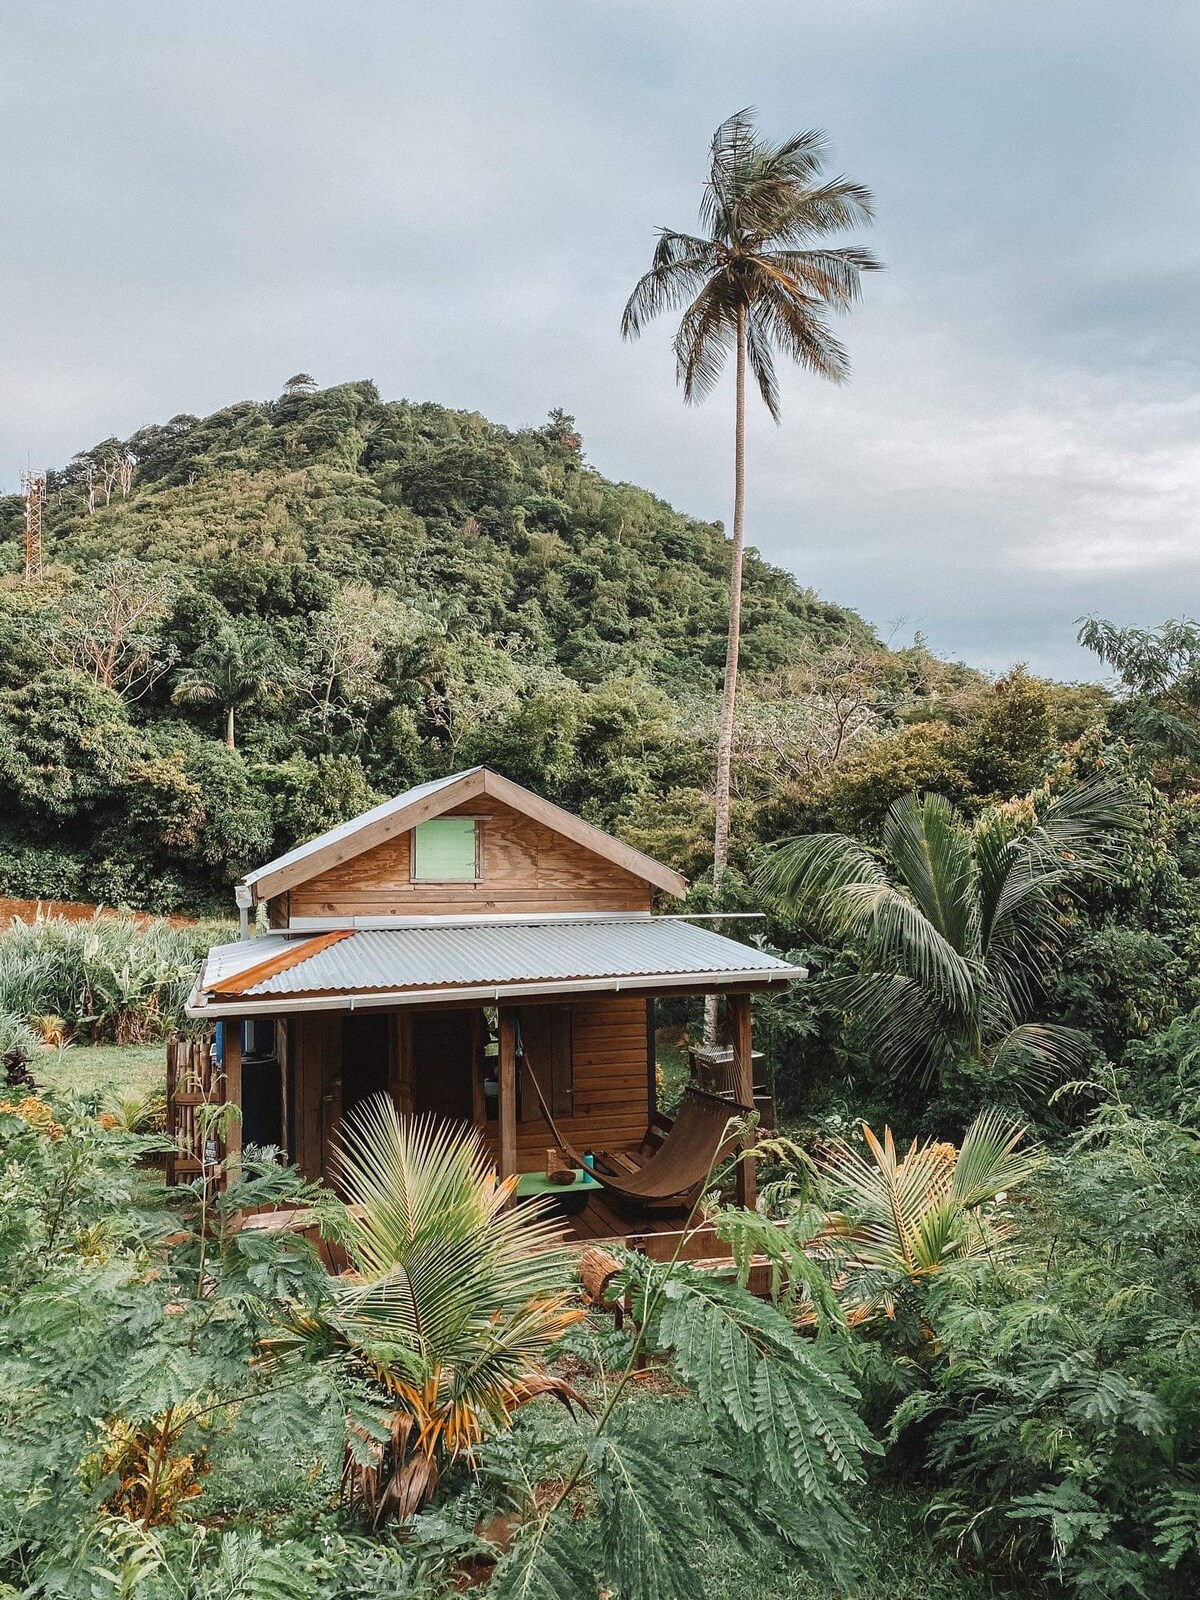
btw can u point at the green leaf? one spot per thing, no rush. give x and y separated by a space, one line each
547 1561
643 1539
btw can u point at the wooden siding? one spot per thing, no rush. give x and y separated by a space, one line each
611 1084
527 869
315 1056
610 1068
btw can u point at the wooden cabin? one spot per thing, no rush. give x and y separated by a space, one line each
434 946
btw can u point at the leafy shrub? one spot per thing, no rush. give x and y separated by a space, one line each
110 978
17 1038
1056 1406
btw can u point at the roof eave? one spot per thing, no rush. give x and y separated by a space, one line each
202 1004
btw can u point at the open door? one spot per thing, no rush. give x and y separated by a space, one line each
366 1058
445 1045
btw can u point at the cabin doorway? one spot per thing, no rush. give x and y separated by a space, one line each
366 1058
445 1045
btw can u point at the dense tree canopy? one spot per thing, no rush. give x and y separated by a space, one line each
387 589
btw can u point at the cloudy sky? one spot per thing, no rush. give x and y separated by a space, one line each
454 200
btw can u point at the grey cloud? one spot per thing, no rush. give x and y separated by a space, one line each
455 201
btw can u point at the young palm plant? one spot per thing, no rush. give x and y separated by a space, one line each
757 280
454 1299
955 930
897 1219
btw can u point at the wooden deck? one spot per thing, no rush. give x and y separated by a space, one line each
600 1223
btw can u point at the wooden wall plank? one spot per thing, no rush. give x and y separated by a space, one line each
611 1097
527 869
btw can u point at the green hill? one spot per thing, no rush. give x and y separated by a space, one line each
381 591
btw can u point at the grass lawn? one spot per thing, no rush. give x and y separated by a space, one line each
129 1069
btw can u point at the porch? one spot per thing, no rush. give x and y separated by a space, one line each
560 1085
539 1035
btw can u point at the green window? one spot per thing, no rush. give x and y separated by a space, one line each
444 851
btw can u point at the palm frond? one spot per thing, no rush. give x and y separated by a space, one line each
829 207
901 1217
806 875
1086 826
897 936
907 1028
1033 1053
705 336
988 1161
830 275
193 689
931 849
780 314
681 266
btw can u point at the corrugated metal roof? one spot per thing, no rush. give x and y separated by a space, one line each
226 961
345 830
473 955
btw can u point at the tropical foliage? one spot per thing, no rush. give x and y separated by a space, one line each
975 1370
956 929
898 1219
107 979
1054 1404
455 1299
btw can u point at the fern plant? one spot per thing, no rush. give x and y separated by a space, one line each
782 1443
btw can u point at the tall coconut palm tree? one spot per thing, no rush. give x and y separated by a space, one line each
956 929
756 281
454 1298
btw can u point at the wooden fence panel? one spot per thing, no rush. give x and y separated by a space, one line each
193 1080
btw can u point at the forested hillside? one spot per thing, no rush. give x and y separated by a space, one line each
360 594
256 623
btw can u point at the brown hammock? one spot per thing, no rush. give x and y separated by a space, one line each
697 1139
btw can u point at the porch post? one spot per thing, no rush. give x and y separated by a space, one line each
232 1067
508 1093
738 1008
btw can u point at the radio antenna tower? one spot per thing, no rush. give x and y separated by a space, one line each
34 485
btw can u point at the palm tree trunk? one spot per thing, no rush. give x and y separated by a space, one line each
732 649
229 728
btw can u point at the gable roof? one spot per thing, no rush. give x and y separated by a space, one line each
431 799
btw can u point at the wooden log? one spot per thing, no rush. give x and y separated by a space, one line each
597 1270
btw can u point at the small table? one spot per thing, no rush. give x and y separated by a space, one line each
536 1185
